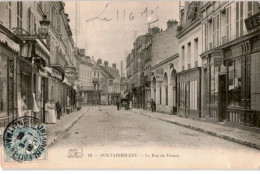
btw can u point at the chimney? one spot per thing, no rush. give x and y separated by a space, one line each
154 30
99 61
106 63
114 65
82 51
172 23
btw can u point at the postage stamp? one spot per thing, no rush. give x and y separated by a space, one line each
24 139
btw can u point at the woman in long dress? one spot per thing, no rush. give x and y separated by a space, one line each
50 116
53 112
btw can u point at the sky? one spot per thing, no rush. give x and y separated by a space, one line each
108 29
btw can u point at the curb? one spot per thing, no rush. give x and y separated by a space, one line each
53 140
216 134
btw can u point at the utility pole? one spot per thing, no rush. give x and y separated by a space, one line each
77 21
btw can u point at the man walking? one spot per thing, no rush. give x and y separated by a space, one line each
58 107
117 104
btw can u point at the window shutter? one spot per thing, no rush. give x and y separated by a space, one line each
29 20
59 24
255 82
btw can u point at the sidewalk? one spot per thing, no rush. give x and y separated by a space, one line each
56 131
247 138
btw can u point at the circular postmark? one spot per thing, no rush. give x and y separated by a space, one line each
25 139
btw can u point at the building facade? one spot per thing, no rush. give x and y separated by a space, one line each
189 75
39 71
164 66
230 58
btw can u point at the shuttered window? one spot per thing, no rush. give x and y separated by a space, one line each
59 29
255 82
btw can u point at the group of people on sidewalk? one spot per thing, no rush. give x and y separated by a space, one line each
129 105
52 111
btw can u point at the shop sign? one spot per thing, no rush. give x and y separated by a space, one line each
218 56
159 71
253 21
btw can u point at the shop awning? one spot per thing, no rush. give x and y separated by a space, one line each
65 80
6 40
48 69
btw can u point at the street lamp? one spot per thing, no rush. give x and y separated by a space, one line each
45 23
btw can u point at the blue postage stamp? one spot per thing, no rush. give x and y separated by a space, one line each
24 139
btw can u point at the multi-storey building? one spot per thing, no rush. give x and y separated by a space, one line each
107 86
138 83
164 65
231 57
129 74
62 58
31 79
45 66
189 74
86 80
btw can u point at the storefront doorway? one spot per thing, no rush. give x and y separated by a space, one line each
222 97
187 94
44 95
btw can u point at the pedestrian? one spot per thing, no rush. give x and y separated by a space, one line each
118 104
50 116
58 108
152 103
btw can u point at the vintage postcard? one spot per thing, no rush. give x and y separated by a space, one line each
130 84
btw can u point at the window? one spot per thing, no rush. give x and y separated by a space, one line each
218 29
3 86
183 55
19 14
182 95
255 7
160 95
249 8
239 18
228 24
234 83
59 24
255 76
196 49
189 54
214 32
214 83
205 36
193 94
10 14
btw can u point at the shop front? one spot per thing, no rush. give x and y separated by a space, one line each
214 85
32 77
189 92
56 85
10 47
242 59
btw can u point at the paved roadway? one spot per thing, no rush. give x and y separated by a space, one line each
104 125
104 131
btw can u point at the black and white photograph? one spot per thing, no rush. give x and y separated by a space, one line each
127 84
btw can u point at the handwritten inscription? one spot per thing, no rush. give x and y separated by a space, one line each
149 14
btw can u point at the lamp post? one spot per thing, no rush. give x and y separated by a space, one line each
45 23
